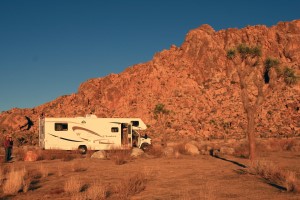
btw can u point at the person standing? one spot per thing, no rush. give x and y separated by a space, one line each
8 145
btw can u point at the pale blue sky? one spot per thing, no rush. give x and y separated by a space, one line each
49 47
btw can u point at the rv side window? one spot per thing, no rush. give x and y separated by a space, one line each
114 129
135 123
61 126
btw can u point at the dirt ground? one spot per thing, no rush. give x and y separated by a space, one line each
185 177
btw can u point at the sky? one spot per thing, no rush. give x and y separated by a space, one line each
49 47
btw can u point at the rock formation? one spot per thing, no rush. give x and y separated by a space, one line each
195 82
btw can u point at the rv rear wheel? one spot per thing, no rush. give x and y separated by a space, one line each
82 149
145 146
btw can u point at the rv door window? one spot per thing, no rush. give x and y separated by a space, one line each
114 129
61 126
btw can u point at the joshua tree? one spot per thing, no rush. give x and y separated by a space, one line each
252 77
256 81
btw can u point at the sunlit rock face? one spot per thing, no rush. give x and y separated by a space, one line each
195 82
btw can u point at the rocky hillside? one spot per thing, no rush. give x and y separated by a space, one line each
195 82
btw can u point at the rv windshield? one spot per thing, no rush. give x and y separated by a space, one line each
135 123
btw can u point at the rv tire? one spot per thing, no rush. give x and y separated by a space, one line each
82 149
145 146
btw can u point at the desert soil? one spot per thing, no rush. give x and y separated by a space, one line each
185 177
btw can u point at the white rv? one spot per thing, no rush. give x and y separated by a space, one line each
92 133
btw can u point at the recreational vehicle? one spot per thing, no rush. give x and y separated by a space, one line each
92 133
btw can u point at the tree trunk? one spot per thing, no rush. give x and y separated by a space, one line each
162 128
251 132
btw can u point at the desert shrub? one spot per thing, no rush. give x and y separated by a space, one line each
245 50
2 176
155 150
73 185
59 171
180 148
282 144
160 109
19 153
57 154
29 138
136 183
49 154
290 77
287 144
26 184
43 170
97 191
131 185
14 182
231 53
78 166
275 175
119 156
68 157
40 154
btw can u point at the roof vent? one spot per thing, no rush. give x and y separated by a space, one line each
90 116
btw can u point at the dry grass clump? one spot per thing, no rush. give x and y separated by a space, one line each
155 150
181 149
19 153
78 166
40 154
97 191
273 145
127 187
67 157
57 154
275 175
2 176
120 156
59 171
43 170
131 185
73 185
26 184
242 150
52 154
283 144
15 182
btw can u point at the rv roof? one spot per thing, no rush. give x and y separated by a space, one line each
90 116
136 122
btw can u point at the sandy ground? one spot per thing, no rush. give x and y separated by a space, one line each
186 177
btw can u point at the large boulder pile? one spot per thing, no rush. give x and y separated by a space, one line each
195 82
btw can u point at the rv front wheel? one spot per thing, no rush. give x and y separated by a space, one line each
145 146
82 149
